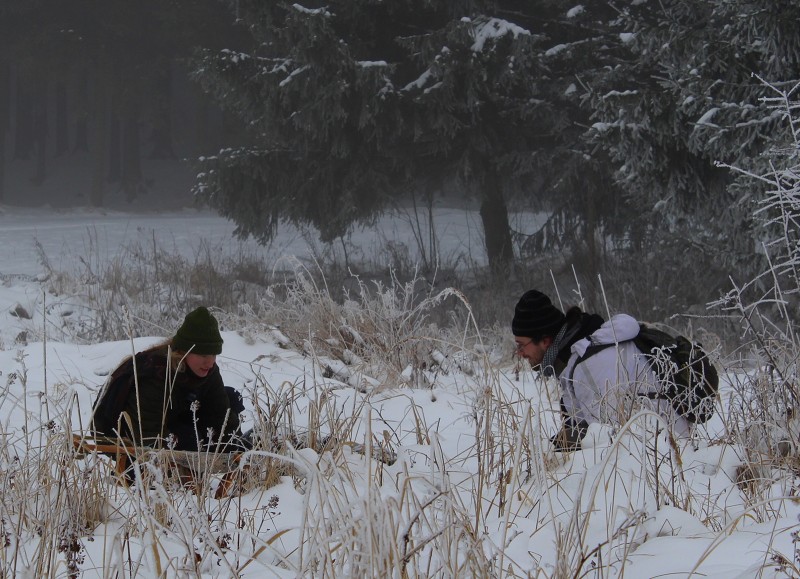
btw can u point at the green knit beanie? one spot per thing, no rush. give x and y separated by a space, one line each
201 330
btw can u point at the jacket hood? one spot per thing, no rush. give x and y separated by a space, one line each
579 325
619 328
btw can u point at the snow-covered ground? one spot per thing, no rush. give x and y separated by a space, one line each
474 479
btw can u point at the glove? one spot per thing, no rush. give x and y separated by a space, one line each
235 398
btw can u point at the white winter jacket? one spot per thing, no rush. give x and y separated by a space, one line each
610 384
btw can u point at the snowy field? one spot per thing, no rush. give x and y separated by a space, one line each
475 489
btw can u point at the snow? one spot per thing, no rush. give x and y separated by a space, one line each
234 56
707 116
697 521
419 82
558 48
292 74
576 11
372 63
313 11
494 28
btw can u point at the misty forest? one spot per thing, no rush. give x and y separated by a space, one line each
636 128
638 156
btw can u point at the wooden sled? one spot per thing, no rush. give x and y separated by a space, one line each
190 465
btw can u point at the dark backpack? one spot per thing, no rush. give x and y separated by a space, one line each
111 401
688 378
690 381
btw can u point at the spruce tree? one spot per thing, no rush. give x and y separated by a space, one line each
353 102
686 98
574 178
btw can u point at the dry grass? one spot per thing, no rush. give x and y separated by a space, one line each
360 517
424 513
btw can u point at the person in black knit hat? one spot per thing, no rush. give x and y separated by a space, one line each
544 334
172 394
598 385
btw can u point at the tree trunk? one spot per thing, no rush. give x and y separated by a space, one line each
593 257
202 129
5 98
229 128
5 121
23 135
131 155
162 113
2 166
62 132
40 127
100 141
496 229
115 141
82 116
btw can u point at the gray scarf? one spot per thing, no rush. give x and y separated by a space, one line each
565 334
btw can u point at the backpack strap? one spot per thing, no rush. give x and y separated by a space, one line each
596 348
590 351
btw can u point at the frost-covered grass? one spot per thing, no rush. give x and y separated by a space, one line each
474 491
396 369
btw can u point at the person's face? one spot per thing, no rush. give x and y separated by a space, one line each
532 351
199 364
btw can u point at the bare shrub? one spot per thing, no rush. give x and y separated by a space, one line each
50 503
377 335
764 408
146 289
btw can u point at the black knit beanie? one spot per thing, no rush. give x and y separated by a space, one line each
535 316
201 330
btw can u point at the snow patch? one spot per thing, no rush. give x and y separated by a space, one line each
292 74
420 82
705 120
495 28
304 10
576 11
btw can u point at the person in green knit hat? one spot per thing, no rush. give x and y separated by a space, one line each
172 395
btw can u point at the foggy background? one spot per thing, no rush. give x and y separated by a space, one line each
96 104
607 123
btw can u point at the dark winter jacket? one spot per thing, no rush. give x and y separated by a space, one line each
579 326
181 407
